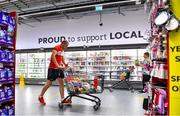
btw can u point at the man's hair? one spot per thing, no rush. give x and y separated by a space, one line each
64 42
146 53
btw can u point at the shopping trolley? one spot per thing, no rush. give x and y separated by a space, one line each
123 79
83 88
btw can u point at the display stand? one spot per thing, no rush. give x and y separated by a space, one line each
8 28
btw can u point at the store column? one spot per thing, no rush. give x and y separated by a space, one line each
174 64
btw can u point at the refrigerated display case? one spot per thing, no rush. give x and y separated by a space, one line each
36 65
86 64
122 60
77 60
98 62
21 65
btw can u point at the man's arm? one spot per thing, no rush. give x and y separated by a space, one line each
64 62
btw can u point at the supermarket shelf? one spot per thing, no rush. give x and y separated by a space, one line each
98 71
77 61
98 61
6 100
29 67
80 65
100 57
21 63
121 65
36 68
33 73
21 69
6 82
122 60
6 65
98 65
36 64
75 57
3 45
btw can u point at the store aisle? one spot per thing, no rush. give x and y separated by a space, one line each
120 102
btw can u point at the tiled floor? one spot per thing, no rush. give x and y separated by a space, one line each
119 102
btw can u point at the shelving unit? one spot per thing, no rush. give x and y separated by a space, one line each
157 105
85 63
36 64
7 62
21 65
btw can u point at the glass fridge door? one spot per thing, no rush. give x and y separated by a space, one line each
122 60
21 65
98 62
36 65
77 60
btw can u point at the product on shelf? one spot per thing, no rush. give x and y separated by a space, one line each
10 30
2 94
3 36
7 29
10 74
3 75
10 55
9 40
9 91
3 18
11 21
11 110
3 56
3 111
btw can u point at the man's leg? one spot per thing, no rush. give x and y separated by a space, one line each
44 89
61 87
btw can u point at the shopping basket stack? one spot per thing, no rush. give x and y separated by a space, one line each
84 88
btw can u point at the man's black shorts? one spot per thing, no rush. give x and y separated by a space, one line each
53 74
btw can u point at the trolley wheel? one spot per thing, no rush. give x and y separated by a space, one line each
132 90
60 105
110 89
96 107
99 104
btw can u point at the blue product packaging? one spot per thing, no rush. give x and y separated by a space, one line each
9 40
8 92
3 56
10 30
3 19
10 55
3 36
10 74
2 94
3 75
11 110
4 112
1 112
11 20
